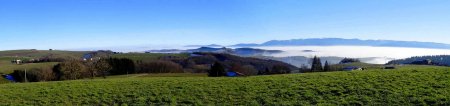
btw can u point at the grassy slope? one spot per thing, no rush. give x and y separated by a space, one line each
358 64
403 86
41 53
6 56
11 67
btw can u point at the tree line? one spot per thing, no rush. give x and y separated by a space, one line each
77 69
317 66
441 60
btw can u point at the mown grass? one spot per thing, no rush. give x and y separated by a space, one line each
409 85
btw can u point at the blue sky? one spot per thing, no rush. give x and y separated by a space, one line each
68 24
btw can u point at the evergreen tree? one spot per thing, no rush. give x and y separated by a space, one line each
326 67
217 70
316 65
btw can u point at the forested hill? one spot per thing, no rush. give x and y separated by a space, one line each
436 60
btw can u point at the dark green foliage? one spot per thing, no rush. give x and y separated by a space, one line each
280 69
121 66
265 72
316 65
159 66
327 67
349 60
217 70
441 60
276 69
228 60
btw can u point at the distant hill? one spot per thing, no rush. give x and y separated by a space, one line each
436 60
35 54
348 42
211 45
228 60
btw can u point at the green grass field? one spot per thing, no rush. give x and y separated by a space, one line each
358 64
6 68
9 68
407 85
7 56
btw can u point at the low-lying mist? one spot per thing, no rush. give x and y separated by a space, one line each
376 55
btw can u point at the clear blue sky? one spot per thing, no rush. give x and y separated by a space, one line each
66 24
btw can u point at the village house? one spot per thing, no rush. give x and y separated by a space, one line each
16 61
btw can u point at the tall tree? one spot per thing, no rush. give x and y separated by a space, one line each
327 66
101 67
70 70
216 70
316 65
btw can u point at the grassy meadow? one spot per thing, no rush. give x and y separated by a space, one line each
407 85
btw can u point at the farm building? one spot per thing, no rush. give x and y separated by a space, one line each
234 74
17 61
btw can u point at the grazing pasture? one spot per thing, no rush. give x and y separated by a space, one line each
406 85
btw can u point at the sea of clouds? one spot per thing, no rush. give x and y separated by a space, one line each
378 55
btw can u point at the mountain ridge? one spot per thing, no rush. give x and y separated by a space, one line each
347 42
